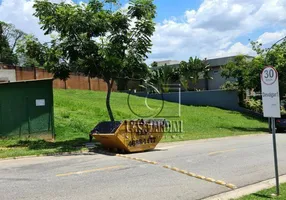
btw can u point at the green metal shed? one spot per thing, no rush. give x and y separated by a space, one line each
26 109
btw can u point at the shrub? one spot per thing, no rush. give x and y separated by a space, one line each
229 86
254 105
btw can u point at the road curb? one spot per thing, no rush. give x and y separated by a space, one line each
237 193
160 145
46 155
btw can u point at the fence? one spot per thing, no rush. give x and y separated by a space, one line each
216 98
26 109
76 81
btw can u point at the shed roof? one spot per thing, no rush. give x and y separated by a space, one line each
25 81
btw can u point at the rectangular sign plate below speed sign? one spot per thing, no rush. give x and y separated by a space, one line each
270 92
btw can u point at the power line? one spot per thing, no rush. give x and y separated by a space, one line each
265 60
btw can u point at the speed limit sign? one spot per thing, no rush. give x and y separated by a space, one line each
269 75
270 92
271 107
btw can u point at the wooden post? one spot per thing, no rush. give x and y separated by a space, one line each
89 86
35 72
28 115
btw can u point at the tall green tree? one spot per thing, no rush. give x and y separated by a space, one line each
55 62
7 55
97 39
31 51
132 71
237 69
247 71
163 76
276 57
154 64
9 38
48 55
12 34
192 71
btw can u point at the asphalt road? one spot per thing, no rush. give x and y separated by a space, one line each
238 160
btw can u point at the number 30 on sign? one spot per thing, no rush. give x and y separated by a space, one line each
269 75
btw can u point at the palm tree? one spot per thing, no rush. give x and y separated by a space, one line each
162 76
192 71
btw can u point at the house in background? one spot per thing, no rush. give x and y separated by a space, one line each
168 63
216 65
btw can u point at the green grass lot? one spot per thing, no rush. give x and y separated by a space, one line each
266 194
77 112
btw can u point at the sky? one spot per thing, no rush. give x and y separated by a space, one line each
184 28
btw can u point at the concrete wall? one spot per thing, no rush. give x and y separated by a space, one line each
216 98
7 75
201 85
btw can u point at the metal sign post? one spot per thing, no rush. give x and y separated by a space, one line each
271 107
275 156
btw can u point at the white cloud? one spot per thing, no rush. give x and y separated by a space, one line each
212 30
235 49
20 13
271 37
215 27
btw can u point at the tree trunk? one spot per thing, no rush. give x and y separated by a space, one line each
206 84
15 42
65 82
195 82
240 96
109 88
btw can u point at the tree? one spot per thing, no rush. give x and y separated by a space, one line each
247 71
31 51
55 63
12 34
192 71
276 57
154 64
9 38
137 72
47 55
238 69
96 40
163 76
229 85
6 53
